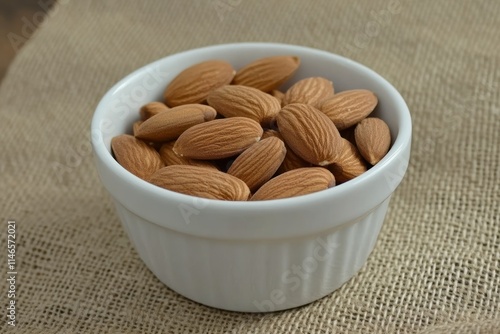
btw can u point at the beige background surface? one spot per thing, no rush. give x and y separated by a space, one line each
435 268
13 26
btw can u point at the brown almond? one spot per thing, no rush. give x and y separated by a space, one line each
170 158
348 108
269 133
169 125
150 109
201 182
312 91
349 165
135 127
292 160
373 139
296 182
268 73
279 95
217 139
195 83
348 134
310 134
258 163
136 156
242 101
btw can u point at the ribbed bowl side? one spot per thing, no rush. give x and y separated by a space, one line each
255 275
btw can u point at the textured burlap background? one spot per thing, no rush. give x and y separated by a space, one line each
435 268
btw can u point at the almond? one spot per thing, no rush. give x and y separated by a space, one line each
269 133
348 134
170 124
348 108
217 139
170 158
151 109
195 83
296 182
135 127
201 182
268 73
279 95
292 160
373 139
310 134
136 156
310 91
258 163
242 101
349 165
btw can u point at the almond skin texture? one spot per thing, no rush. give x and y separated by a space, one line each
149 110
373 139
170 158
279 95
220 138
296 182
349 165
271 133
169 125
310 134
348 108
258 163
292 160
349 134
195 83
267 74
136 156
242 101
312 91
201 182
135 127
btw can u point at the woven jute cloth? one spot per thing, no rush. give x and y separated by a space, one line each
436 265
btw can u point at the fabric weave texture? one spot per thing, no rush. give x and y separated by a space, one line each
436 265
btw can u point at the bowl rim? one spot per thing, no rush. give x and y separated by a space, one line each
399 146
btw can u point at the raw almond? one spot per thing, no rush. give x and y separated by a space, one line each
217 139
269 133
296 182
136 156
135 127
348 108
349 165
242 101
195 83
310 134
348 134
258 163
310 91
268 73
292 160
279 95
373 139
151 109
170 124
170 158
201 182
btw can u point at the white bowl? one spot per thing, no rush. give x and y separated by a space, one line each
252 256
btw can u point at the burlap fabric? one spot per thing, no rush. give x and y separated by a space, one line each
436 265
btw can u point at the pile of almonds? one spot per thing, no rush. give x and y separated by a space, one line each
232 135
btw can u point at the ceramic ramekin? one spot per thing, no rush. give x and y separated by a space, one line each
252 256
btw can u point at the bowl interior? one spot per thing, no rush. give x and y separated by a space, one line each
148 83
119 108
